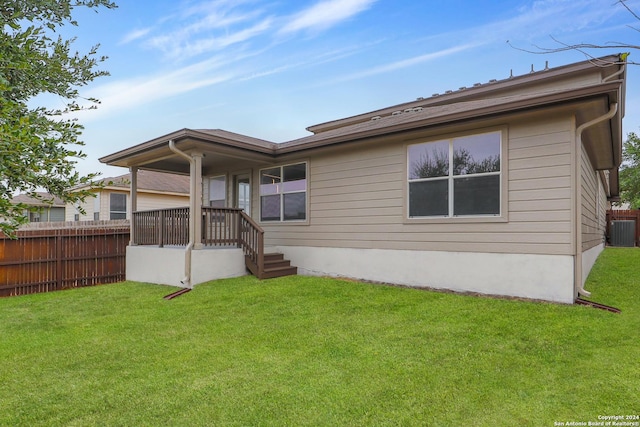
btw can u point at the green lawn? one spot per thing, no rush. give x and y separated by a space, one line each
312 351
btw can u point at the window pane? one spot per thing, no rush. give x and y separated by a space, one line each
118 215
428 160
118 202
476 196
270 208
476 154
57 214
217 191
294 177
429 198
295 206
295 172
270 181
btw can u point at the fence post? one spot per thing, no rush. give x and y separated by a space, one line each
161 229
59 278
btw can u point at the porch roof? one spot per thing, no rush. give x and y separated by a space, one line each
218 146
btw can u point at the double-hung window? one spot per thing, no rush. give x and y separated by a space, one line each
283 193
218 191
455 177
117 206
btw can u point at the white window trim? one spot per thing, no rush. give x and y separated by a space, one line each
281 194
504 180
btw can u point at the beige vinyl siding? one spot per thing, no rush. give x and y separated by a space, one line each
148 201
592 220
71 210
356 199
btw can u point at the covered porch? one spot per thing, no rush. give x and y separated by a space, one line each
214 237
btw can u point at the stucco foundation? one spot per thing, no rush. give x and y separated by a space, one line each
545 277
165 266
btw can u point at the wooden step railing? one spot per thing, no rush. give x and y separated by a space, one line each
252 243
220 227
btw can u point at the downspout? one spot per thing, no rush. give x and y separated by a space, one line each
186 281
617 73
613 109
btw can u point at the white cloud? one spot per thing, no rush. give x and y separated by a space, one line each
178 45
132 93
206 26
135 35
409 62
326 14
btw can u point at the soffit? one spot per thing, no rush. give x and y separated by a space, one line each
216 146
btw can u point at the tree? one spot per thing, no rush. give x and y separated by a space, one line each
39 145
589 49
630 172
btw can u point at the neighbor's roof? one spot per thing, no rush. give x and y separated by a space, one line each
43 199
151 181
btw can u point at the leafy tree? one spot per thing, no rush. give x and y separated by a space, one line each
437 164
464 163
427 166
38 145
630 172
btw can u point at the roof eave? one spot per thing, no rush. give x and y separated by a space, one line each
482 112
454 96
118 158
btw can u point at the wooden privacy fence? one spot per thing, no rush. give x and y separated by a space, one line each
45 260
624 215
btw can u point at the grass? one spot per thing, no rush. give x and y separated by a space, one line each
314 351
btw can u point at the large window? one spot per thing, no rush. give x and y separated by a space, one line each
455 177
117 206
283 193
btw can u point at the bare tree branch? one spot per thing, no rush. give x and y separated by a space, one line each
584 48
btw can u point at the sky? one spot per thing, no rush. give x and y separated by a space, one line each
271 68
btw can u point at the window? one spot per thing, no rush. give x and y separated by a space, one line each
455 177
217 191
118 206
283 193
96 207
35 216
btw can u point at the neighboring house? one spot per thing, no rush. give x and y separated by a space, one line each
499 188
156 190
49 208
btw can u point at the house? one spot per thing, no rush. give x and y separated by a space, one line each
48 208
499 188
156 190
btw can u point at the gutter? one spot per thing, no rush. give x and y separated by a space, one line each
613 109
186 281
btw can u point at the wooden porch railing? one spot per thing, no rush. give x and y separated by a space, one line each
161 227
252 243
220 227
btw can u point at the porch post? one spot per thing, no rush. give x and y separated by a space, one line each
196 195
133 193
